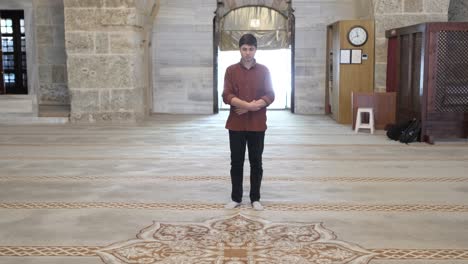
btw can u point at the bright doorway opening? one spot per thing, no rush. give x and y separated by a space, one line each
278 62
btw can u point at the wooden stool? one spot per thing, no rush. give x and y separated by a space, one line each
359 123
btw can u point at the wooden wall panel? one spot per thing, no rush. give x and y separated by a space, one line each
350 78
432 82
383 104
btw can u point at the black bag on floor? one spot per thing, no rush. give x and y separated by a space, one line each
412 132
394 131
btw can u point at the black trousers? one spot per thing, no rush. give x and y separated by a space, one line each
237 142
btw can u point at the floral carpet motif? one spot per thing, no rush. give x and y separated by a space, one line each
234 240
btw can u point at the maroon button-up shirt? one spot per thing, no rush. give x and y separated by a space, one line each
247 85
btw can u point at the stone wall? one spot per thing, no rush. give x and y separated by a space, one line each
458 11
183 57
390 14
50 49
105 43
312 18
107 49
364 9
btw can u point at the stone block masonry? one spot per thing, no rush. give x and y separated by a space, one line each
105 43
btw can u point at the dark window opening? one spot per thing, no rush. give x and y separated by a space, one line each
13 53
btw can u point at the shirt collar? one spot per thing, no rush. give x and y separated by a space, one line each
253 65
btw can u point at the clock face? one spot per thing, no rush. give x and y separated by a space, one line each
357 36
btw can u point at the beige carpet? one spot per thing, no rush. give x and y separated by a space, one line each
154 193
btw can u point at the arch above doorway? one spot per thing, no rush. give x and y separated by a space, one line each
271 9
269 27
225 6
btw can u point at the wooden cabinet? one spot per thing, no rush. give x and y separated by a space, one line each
349 65
428 68
383 104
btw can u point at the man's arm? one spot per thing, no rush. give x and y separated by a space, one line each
268 98
241 106
255 106
269 95
230 98
228 92
249 106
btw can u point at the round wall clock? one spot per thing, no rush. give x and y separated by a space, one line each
357 36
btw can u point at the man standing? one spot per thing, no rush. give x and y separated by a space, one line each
248 89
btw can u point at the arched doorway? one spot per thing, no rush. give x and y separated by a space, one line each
275 34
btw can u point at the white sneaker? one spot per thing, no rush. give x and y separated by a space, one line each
232 205
257 206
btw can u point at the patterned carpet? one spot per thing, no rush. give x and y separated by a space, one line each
154 193
235 239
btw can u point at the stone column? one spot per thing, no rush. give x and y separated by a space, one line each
105 44
398 13
458 11
312 18
183 57
50 48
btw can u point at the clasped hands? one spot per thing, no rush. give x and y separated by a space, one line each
253 106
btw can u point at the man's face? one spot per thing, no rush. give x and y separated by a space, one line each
248 52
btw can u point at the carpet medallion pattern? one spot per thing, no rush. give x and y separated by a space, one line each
233 240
